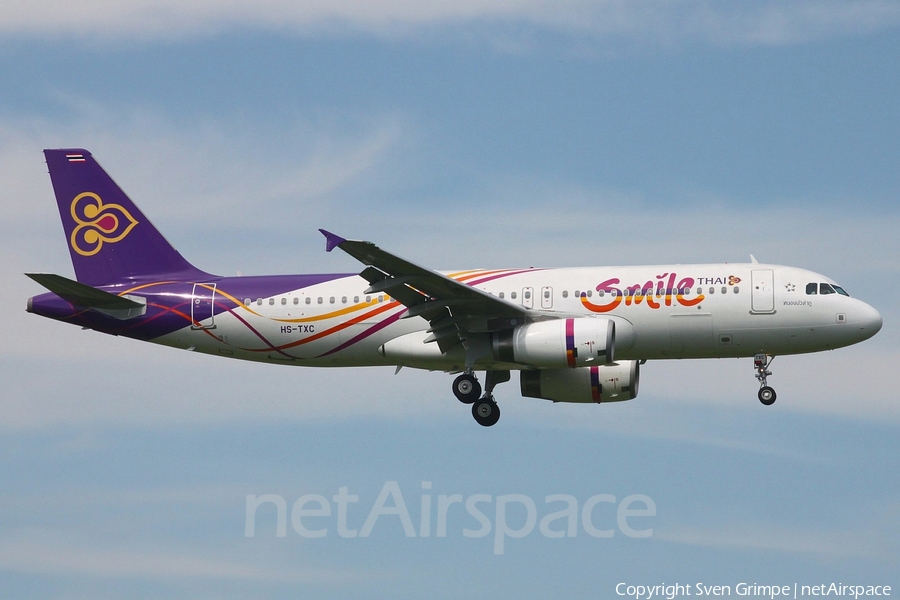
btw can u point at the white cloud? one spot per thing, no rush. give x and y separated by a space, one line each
186 170
44 553
765 538
713 402
646 21
211 178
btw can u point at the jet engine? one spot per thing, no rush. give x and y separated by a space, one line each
560 343
601 383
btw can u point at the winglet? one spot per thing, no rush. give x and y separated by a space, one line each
331 240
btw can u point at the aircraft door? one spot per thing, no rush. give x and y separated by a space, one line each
203 299
546 297
762 296
528 297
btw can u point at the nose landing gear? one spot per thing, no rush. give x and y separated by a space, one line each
761 363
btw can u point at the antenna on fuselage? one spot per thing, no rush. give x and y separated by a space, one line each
753 260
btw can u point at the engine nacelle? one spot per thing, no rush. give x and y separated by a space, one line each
601 383
559 343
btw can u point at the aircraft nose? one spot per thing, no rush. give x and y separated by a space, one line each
870 322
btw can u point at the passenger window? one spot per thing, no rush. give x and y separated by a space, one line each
247 301
368 299
724 290
512 295
565 293
528 295
699 291
737 290
319 300
355 299
331 300
343 299
271 301
259 301
546 294
811 289
601 293
309 299
712 291
296 300
824 288
502 295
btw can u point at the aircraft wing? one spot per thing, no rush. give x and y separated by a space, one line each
453 309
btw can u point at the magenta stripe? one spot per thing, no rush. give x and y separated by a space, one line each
258 334
371 330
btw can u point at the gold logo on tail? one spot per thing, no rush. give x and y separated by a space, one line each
98 223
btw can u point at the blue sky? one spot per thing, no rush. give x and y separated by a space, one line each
459 135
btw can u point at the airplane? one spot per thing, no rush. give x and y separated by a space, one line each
573 334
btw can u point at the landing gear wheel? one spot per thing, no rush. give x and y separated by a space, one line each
486 412
466 388
767 395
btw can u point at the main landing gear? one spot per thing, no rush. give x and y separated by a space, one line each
466 388
468 391
761 363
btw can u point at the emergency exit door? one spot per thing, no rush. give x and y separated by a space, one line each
203 299
762 296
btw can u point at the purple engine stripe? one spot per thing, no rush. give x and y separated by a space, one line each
596 390
570 342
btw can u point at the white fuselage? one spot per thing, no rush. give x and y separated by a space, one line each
672 311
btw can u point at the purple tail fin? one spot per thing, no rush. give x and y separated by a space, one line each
109 238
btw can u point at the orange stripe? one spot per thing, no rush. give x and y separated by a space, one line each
327 332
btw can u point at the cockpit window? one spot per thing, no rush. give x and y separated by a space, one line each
824 288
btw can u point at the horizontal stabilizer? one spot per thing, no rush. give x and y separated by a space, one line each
80 294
